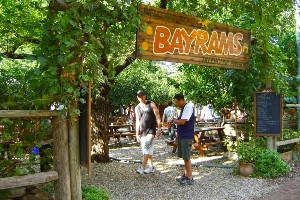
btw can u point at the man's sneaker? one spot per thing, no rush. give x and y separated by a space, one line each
181 178
187 181
149 170
140 171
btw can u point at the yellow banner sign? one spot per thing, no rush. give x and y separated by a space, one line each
175 37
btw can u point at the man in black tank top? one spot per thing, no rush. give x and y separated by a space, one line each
147 118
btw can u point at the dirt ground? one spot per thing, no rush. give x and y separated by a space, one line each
288 186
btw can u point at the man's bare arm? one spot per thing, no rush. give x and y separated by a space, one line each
157 115
179 121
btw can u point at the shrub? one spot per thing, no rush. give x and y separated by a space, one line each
91 192
268 164
248 151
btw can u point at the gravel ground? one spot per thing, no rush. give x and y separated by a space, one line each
288 186
122 182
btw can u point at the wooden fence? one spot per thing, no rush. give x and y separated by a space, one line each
61 173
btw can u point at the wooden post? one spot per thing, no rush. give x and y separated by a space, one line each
272 143
74 155
62 188
297 14
89 131
235 123
271 139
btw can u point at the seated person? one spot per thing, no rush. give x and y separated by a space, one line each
207 113
233 114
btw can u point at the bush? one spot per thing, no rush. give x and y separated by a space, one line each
93 193
269 165
248 151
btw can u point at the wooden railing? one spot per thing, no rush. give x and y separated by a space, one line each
285 142
61 173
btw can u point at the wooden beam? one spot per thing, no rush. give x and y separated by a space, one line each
293 105
27 113
27 180
285 142
74 157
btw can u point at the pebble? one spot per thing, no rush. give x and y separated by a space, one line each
122 182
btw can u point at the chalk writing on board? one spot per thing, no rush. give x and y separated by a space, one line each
268 113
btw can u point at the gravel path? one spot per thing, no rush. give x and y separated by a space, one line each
120 179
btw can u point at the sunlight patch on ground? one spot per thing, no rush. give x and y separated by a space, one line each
194 161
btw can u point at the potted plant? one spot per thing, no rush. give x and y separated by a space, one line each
247 153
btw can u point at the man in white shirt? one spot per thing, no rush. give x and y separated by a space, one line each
170 113
207 113
185 130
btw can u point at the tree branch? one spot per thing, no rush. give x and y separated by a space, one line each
60 5
33 40
17 56
129 60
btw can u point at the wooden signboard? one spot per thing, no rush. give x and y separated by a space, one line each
267 114
175 37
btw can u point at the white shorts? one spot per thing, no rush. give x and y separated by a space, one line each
147 145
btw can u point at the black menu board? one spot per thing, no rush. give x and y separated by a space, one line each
267 113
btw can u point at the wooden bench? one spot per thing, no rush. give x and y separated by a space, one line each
27 180
117 136
173 144
205 146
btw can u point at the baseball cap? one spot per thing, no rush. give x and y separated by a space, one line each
140 93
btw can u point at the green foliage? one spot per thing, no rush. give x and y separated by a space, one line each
290 118
144 75
18 138
66 49
289 134
248 151
94 39
22 86
269 165
48 188
91 192
273 48
297 146
4 194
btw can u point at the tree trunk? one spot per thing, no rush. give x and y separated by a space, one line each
100 120
163 4
75 175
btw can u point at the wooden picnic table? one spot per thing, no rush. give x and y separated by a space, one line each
116 131
205 124
202 143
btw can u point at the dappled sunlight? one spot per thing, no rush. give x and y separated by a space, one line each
194 161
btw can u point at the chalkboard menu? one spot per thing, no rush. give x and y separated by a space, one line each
268 114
